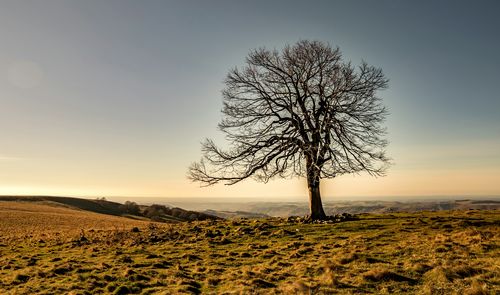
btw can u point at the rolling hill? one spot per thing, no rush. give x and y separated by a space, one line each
132 210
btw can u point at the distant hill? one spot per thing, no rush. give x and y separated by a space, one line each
159 213
284 209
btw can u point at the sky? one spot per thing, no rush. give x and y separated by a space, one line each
112 98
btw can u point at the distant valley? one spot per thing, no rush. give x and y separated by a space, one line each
231 208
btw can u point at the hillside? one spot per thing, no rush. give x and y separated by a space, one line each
39 221
446 252
129 209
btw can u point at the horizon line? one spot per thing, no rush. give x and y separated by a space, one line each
271 199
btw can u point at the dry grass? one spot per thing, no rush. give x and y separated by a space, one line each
34 221
420 253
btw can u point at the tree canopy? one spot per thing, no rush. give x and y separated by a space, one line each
301 111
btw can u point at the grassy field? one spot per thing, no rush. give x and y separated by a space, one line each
59 250
27 221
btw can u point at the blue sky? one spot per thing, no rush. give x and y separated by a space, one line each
114 97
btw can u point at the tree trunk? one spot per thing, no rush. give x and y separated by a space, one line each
315 205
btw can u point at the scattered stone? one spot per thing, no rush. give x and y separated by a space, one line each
328 220
244 230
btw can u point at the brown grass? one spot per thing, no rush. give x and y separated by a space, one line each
378 254
27 220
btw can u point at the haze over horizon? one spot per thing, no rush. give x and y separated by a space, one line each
112 98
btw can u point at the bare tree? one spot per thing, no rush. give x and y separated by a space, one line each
299 112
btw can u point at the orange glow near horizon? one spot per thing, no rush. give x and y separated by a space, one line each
418 171
399 183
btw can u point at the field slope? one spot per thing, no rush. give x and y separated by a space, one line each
35 220
60 251
102 206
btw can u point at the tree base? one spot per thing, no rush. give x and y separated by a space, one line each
327 219
317 217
